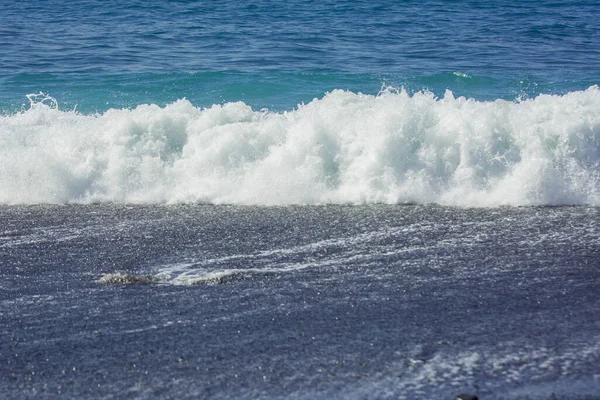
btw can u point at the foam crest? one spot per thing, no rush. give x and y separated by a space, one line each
342 148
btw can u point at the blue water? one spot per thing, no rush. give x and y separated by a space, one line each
279 54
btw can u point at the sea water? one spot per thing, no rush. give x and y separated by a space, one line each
299 199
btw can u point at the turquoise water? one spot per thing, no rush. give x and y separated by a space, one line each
107 54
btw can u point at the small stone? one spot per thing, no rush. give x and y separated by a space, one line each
125 279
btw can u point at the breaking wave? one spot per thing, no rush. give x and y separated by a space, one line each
343 148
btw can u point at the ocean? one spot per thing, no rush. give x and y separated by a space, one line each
336 199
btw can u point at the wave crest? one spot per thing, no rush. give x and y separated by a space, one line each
342 148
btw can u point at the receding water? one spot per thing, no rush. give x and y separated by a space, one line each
303 302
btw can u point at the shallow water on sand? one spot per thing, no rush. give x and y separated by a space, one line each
302 302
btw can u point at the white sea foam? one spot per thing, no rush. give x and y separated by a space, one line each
509 372
356 249
343 148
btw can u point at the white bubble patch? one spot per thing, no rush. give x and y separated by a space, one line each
342 148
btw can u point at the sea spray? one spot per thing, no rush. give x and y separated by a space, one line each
343 148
